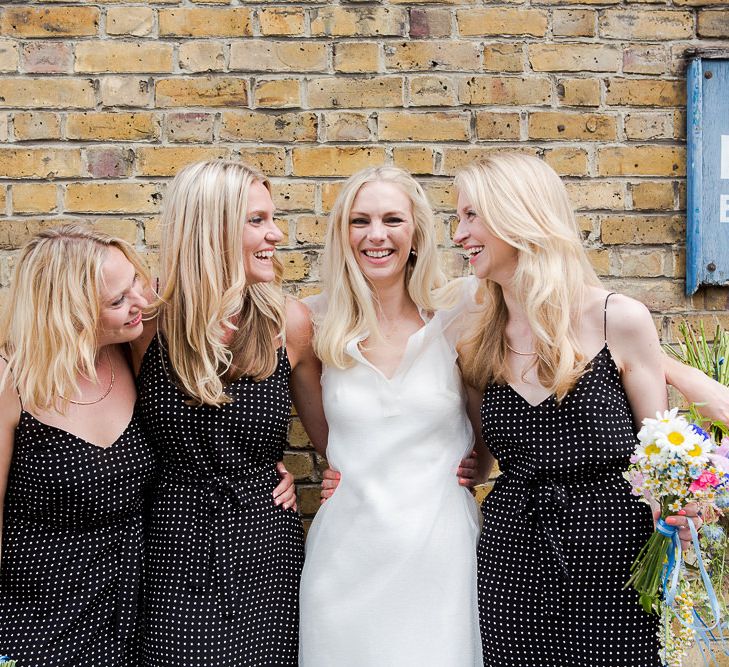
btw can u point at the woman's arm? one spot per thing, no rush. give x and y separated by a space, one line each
697 387
305 375
484 458
9 418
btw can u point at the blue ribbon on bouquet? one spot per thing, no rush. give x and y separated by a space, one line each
671 572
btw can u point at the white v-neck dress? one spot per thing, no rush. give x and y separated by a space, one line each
390 570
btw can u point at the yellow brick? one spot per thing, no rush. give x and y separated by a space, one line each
135 21
300 465
124 228
16 232
502 90
430 91
652 195
8 55
573 22
39 163
357 57
112 126
428 126
47 92
329 193
125 91
600 260
642 161
503 57
713 23
190 127
454 158
50 21
567 161
679 124
641 59
205 22
257 126
416 160
282 21
202 92
347 126
648 125
117 56
34 198
654 25
579 92
494 125
355 93
646 92
294 196
279 93
202 56
357 22
36 125
296 265
311 229
3 127
335 161
694 3
308 499
165 161
270 161
580 2
596 195
112 198
565 57
449 55
3 199
570 126
260 55
639 263
646 229
441 195
429 23
475 22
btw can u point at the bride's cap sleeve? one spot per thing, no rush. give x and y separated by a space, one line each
317 305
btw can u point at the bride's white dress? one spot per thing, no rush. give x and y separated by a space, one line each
390 572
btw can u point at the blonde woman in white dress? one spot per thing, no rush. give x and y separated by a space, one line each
390 570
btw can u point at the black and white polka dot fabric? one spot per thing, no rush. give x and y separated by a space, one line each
561 530
72 548
223 563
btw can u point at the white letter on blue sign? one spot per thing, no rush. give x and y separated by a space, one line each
723 208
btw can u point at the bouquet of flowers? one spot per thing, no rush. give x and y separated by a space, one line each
675 463
5 661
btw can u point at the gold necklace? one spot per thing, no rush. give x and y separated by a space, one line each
521 354
105 394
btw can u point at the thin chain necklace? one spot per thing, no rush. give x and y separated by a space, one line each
105 394
521 354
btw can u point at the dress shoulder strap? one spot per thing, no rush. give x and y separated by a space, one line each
22 407
604 317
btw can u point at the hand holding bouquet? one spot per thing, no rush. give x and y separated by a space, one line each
677 463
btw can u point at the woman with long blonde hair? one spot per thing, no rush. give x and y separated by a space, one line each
216 364
566 371
390 570
74 463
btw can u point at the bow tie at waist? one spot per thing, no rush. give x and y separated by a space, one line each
218 536
545 503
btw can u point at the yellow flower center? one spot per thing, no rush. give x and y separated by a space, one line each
675 438
652 449
695 451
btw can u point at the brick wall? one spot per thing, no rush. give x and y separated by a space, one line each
101 102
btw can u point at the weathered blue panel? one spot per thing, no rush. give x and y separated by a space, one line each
707 240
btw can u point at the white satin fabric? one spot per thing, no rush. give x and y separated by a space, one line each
390 570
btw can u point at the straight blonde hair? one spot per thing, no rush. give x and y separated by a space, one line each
351 310
522 201
216 327
48 332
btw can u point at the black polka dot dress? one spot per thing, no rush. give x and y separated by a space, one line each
561 530
223 562
72 548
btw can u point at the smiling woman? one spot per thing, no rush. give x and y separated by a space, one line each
73 462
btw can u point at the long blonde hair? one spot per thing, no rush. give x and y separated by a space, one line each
48 332
522 201
351 310
216 326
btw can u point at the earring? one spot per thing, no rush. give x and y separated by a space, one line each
413 253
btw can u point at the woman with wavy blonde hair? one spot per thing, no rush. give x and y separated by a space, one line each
390 570
566 372
73 460
215 368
